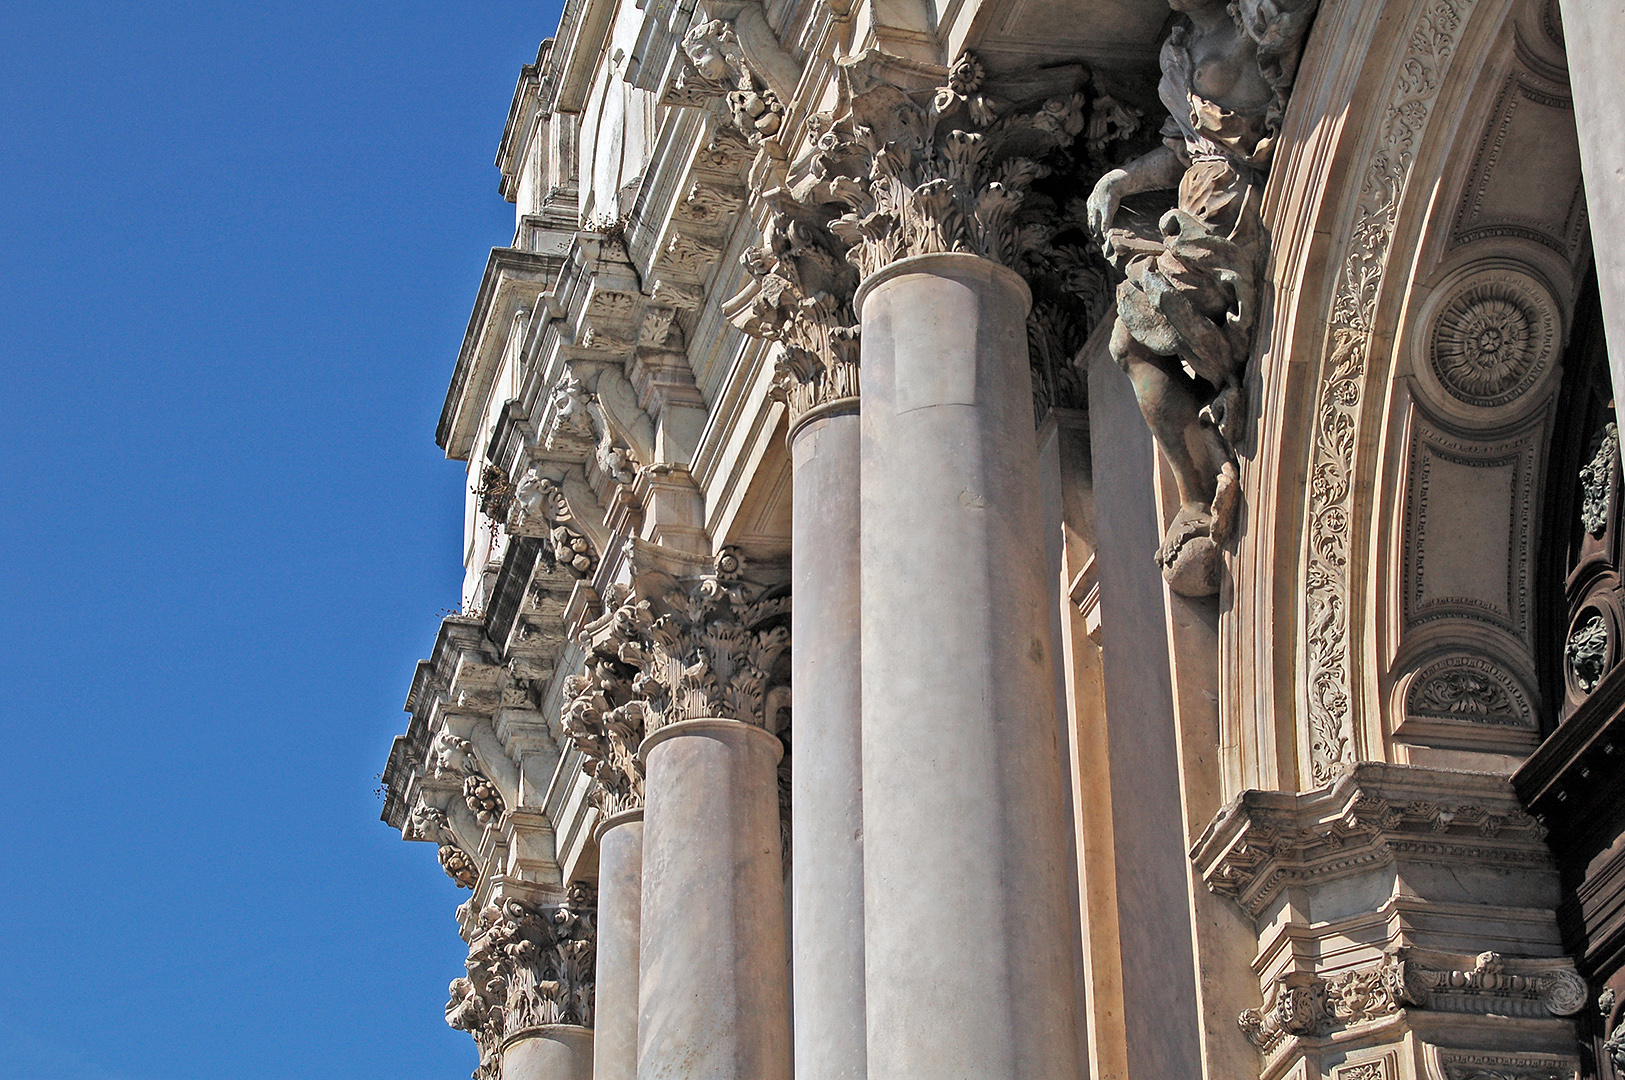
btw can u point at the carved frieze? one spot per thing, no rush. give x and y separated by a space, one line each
1306 1005
541 508
1341 392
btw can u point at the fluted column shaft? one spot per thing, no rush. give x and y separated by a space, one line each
620 900
713 989
826 805
963 799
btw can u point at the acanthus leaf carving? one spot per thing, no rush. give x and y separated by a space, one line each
529 965
1341 392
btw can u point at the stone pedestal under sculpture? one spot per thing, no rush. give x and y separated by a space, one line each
620 897
713 989
965 837
826 804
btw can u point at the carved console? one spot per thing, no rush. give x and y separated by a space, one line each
1405 918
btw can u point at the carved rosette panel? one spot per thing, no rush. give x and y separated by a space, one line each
1493 339
1470 690
529 965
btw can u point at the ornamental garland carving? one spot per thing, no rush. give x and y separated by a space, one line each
529 965
686 639
1597 483
1309 1006
1189 298
1341 394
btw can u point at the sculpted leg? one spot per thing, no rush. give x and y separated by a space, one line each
1199 457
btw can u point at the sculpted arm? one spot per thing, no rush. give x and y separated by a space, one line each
1157 171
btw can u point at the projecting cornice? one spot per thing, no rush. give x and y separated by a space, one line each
513 280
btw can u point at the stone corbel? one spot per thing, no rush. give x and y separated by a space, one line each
733 54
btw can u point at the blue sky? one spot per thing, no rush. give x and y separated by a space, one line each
238 248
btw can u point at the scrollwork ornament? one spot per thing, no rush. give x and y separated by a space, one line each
1597 483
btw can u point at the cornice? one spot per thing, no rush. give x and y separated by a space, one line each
1374 816
512 278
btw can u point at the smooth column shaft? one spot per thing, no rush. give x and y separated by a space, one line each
560 1052
965 843
1592 30
826 801
713 985
620 900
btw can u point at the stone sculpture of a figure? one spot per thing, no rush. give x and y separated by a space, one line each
1188 303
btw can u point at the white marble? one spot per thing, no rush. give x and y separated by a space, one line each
964 808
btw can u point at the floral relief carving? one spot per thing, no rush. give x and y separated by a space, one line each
1493 339
1467 688
1597 483
1341 393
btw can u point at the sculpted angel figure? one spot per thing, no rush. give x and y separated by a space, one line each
1189 299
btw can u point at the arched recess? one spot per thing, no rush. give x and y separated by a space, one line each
1427 200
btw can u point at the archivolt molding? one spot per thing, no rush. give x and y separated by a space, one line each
1340 396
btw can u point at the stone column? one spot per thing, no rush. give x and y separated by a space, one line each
554 1052
703 653
713 989
965 837
620 898
1591 33
826 803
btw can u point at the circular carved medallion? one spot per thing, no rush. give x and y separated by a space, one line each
1493 338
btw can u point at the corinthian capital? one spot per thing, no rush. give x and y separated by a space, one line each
799 294
930 159
529 965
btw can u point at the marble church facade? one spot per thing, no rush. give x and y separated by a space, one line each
1042 539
